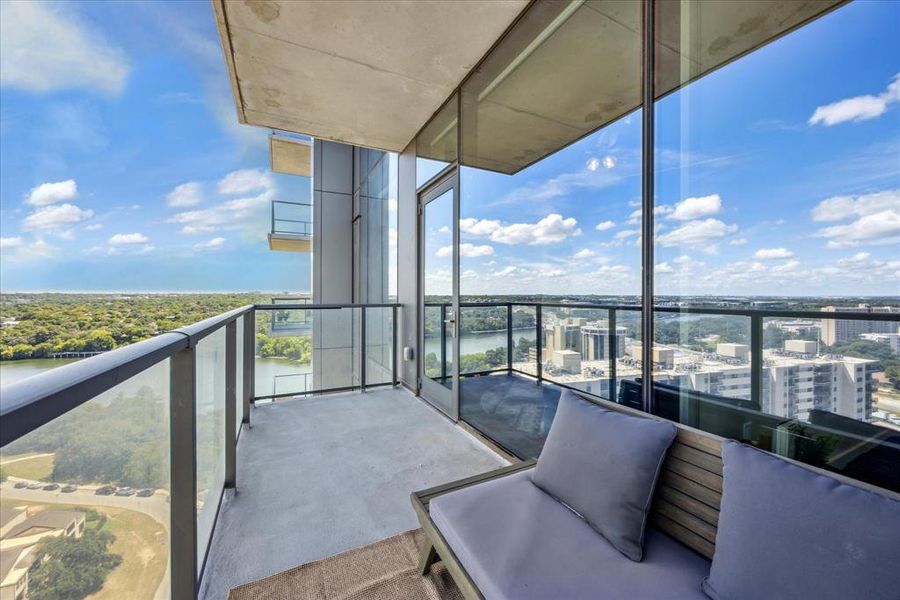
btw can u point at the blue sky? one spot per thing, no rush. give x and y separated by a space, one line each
123 164
777 174
123 167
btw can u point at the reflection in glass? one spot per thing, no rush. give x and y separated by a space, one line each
436 143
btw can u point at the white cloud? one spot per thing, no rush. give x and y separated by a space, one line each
244 181
695 233
10 242
626 233
124 239
49 193
44 48
186 194
466 250
56 217
609 162
879 228
93 227
551 229
874 219
593 164
859 257
738 242
586 253
787 267
605 225
444 229
772 253
213 244
838 208
664 267
661 209
858 108
246 213
694 208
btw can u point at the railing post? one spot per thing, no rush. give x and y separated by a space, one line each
230 404
756 346
509 338
183 474
362 348
539 340
394 342
249 365
613 351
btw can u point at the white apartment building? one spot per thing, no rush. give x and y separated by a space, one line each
835 331
890 339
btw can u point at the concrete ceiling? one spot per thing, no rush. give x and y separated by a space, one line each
357 71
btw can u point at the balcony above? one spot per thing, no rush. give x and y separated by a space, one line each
292 226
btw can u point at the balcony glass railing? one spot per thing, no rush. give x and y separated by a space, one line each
133 449
291 218
739 373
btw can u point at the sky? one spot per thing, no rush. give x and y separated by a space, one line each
778 174
122 162
123 167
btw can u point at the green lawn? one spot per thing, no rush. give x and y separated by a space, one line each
38 468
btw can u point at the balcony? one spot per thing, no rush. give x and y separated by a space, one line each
291 226
245 470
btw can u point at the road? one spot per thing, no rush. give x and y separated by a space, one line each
155 507
21 458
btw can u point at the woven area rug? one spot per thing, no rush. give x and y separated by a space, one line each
385 570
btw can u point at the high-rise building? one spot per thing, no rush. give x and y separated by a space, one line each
595 342
892 340
835 331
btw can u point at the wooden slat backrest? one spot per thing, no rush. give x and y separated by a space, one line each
689 491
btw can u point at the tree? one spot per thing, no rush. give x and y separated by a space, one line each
69 567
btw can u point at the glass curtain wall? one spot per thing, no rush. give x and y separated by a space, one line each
550 185
778 188
436 144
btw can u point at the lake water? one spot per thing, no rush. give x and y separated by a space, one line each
476 343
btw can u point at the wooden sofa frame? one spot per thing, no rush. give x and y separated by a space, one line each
685 503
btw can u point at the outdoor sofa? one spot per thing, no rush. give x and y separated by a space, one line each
622 505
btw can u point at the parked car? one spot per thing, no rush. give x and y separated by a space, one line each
35 486
125 491
106 490
51 487
68 489
21 485
145 493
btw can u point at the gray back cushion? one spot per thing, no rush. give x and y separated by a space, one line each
603 464
788 532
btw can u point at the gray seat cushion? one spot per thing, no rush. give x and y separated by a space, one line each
604 465
788 532
517 542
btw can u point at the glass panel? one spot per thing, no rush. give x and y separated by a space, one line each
436 144
239 366
376 231
524 323
293 218
437 288
776 183
210 373
284 351
379 345
482 339
550 195
575 348
94 484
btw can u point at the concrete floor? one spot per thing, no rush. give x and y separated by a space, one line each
322 475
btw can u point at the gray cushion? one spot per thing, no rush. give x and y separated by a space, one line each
787 532
604 464
517 542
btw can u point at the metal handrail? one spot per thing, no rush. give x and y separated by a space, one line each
307 224
35 401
